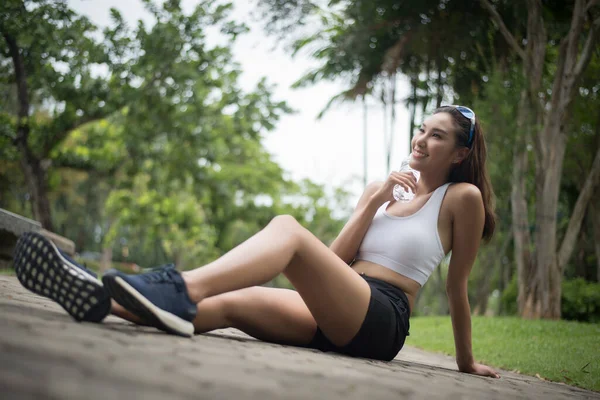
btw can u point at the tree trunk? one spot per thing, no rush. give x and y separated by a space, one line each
548 277
505 278
586 194
427 96
483 283
392 117
178 259
365 169
579 257
520 227
540 290
106 259
551 145
493 259
443 306
544 287
386 130
585 268
35 174
411 131
596 228
390 144
439 89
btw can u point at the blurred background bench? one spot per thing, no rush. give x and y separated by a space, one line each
13 225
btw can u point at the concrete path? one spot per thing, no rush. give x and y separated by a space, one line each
44 354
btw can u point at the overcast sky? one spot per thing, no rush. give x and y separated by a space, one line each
329 150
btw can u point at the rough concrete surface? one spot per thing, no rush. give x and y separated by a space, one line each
44 354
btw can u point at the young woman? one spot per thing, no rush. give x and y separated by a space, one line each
354 298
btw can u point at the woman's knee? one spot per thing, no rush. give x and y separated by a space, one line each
288 224
285 220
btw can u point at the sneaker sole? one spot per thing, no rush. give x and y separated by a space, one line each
136 303
43 270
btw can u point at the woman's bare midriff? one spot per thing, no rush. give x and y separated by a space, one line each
408 286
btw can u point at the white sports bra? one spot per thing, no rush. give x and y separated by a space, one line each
410 246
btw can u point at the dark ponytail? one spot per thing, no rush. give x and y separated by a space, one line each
473 168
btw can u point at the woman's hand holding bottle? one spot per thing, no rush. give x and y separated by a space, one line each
405 179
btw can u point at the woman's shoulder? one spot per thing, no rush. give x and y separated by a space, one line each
463 189
464 195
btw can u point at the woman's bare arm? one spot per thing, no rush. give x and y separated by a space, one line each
348 241
468 222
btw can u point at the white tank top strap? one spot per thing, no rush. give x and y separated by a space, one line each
431 214
439 197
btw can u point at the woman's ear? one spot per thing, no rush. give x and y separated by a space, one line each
461 154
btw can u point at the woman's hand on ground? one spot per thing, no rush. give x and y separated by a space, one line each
405 179
480 369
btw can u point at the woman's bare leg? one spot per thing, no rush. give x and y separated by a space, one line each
336 295
120 311
276 315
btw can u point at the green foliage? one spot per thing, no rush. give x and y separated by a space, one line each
561 351
363 43
193 137
322 213
452 51
7 272
509 297
94 265
174 216
61 53
432 298
161 150
154 151
580 300
14 195
581 145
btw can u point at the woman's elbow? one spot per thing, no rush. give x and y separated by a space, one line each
456 288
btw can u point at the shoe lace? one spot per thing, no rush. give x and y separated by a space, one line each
164 274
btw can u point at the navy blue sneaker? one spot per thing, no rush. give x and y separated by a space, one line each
158 297
42 268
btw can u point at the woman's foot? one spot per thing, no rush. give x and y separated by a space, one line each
46 271
159 297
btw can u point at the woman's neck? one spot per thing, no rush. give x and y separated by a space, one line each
428 184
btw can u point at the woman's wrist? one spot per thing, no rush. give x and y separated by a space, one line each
465 366
375 201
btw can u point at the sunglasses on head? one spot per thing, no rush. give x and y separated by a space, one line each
470 115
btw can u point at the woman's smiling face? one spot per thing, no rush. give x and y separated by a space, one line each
434 144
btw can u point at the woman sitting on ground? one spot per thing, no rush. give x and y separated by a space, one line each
354 297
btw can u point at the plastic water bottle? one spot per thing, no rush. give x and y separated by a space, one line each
401 194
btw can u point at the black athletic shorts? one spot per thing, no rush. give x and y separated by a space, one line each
384 330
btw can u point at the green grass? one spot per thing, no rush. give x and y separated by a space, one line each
560 351
7 271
